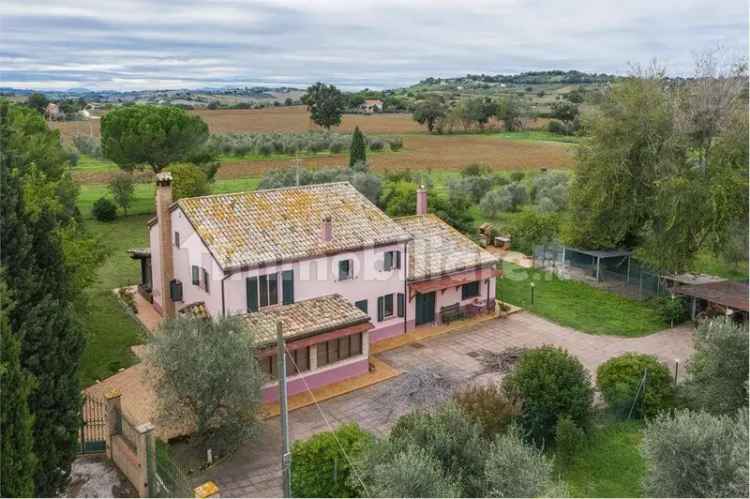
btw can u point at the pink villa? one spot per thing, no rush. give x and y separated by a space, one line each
337 272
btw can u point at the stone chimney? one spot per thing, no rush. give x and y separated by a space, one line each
421 200
326 231
163 201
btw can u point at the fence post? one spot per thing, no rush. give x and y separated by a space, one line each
114 406
145 448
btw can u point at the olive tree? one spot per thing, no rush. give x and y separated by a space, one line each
695 454
428 112
122 187
205 373
325 103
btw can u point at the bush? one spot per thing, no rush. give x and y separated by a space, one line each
122 187
568 439
72 155
90 146
396 143
549 191
673 309
320 468
376 144
696 454
531 228
188 181
475 170
550 383
517 176
718 370
488 406
619 379
104 210
514 469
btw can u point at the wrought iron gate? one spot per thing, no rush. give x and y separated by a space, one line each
165 476
93 432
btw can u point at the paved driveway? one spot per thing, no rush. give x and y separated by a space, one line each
254 471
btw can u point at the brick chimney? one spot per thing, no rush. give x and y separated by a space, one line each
163 201
421 200
326 231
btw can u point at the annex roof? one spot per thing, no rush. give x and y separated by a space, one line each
726 293
248 229
438 249
304 318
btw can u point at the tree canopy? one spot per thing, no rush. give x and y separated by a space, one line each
358 149
325 103
429 111
134 136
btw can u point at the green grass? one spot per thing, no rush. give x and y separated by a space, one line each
577 305
91 164
609 464
537 135
708 263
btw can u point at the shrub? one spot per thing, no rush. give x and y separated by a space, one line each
550 383
514 469
673 309
568 439
531 228
620 378
376 144
396 143
517 176
469 187
104 210
549 191
506 198
264 149
90 146
122 187
188 181
321 469
475 170
488 406
72 155
696 454
368 184
718 370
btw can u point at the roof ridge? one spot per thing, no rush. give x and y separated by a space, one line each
273 189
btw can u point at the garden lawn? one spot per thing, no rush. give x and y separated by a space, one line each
538 135
609 464
577 305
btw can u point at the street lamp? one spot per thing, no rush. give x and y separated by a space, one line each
532 293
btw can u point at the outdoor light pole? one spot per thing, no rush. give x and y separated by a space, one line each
286 457
676 369
532 293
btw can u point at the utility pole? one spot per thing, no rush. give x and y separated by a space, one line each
286 457
297 164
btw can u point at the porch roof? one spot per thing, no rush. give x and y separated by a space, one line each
458 279
726 293
304 318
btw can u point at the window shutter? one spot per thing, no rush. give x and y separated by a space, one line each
362 305
252 294
196 276
400 305
381 308
398 259
264 291
287 287
175 290
344 270
273 289
205 280
177 239
388 260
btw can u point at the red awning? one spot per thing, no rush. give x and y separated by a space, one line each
458 279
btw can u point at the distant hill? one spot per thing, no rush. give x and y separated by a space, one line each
528 78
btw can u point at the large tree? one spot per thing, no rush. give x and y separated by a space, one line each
46 262
429 112
326 104
658 174
134 136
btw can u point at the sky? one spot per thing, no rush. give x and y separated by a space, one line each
136 45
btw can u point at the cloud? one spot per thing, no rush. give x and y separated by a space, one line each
133 44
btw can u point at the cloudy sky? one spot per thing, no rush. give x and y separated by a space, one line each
132 44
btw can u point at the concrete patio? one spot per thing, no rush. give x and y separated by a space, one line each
254 471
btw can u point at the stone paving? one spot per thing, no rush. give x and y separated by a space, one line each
254 471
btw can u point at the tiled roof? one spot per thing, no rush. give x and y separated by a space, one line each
304 318
267 226
439 249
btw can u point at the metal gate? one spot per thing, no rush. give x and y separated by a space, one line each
166 477
93 432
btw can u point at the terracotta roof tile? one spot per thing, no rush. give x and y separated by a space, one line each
267 226
439 249
307 317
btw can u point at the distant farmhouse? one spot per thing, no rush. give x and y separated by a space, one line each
371 106
53 112
336 271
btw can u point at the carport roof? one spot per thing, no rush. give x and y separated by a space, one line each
726 293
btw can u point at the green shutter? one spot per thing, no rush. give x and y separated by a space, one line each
196 278
398 259
175 290
263 291
400 305
252 294
381 308
388 260
362 305
287 287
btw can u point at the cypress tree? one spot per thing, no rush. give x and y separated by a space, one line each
358 150
43 318
18 463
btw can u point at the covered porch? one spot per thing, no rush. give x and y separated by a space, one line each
143 255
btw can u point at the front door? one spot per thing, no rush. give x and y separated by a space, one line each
425 308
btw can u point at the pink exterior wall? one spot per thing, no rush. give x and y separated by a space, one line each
450 296
356 366
153 244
